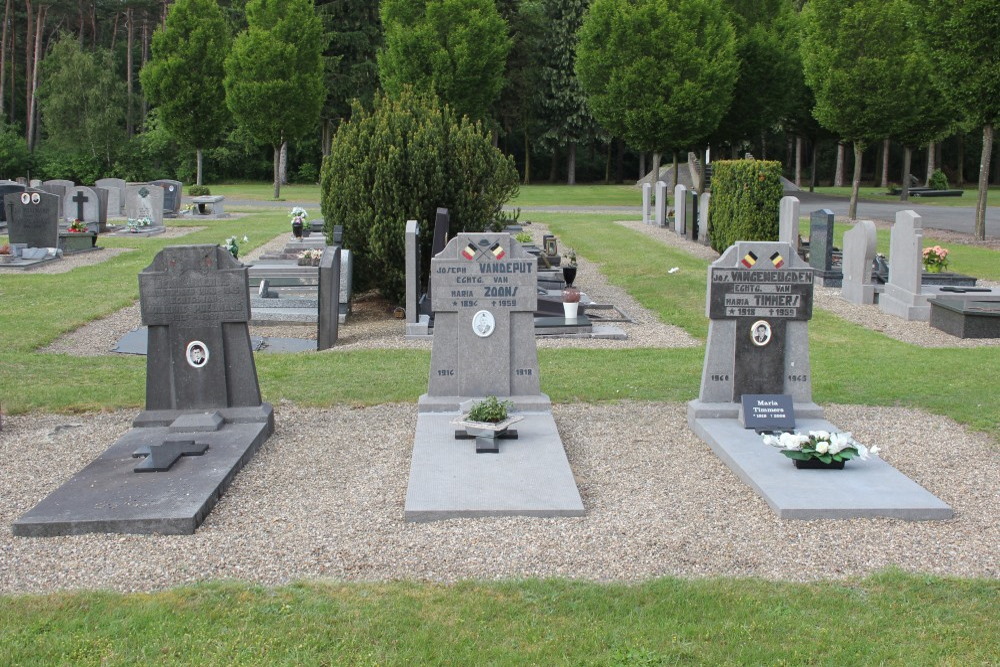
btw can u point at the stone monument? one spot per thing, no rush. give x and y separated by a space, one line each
116 195
680 209
788 221
32 218
204 418
660 204
144 200
647 193
904 295
821 248
484 345
860 244
759 305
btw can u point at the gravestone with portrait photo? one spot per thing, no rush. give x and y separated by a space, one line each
204 418
144 204
484 301
757 377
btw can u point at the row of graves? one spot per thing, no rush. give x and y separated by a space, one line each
559 307
48 219
898 285
205 419
690 214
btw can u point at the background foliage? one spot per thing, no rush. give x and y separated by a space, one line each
746 198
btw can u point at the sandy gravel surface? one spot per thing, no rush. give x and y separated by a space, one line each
324 499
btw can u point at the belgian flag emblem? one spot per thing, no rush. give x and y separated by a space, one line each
469 252
749 260
777 260
498 251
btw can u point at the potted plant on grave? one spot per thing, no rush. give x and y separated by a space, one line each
77 227
298 216
571 302
524 238
310 257
569 269
935 259
819 449
6 255
489 418
233 246
133 225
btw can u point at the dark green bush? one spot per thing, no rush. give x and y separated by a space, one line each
401 162
198 190
15 160
938 180
746 197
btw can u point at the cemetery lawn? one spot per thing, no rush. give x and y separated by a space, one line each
889 618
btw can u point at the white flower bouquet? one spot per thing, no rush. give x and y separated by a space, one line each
298 214
821 445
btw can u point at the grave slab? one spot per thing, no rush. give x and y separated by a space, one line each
530 476
863 489
108 497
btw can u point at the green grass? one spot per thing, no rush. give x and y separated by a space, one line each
578 195
890 618
968 198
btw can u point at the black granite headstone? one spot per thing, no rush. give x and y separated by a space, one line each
196 303
6 189
33 218
821 239
690 204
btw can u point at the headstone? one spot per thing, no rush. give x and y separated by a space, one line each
680 209
413 280
484 299
346 282
116 195
859 255
442 224
690 204
58 188
703 202
144 200
759 303
328 320
7 188
32 218
760 297
660 204
196 303
821 248
647 193
35 183
172 192
902 296
203 420
84 204
788 221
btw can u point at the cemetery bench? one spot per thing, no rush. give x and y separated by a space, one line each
209 206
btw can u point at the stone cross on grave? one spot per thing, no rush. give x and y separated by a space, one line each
182 440
80 199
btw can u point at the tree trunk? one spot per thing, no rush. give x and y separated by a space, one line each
527 159
984 181
326 138
620 162
904 194
838 174
199 156
129 70
676 172
859 150
642 165
655 171
277 171
554 166
283 163
885 164
145 58
798 161
571 164
3 52
32 125
607 163
931 155
812 176
960 171
28 45
789 152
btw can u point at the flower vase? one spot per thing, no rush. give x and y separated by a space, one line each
816 464
570 310
297 229
569 275
933 268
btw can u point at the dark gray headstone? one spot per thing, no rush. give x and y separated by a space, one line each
821 239
328 317
172 192
6 189
33 218
196 302
58 188
690 204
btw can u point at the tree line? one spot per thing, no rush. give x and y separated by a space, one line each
128 87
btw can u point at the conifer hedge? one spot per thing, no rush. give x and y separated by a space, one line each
401 161
746 198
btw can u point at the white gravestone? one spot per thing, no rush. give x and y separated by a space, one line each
680 210
788 221
903 295
859 254
660 204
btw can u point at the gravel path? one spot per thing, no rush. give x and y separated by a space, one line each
658 502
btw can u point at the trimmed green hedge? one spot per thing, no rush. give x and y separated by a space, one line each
746 198
199 190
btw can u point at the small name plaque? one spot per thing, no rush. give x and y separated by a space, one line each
767 412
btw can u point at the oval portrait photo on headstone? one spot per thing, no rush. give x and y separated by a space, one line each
35 198
25 198
760 333
197 354
483 323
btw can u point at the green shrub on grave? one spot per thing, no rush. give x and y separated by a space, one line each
746 198
938 180
199 190
401 161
